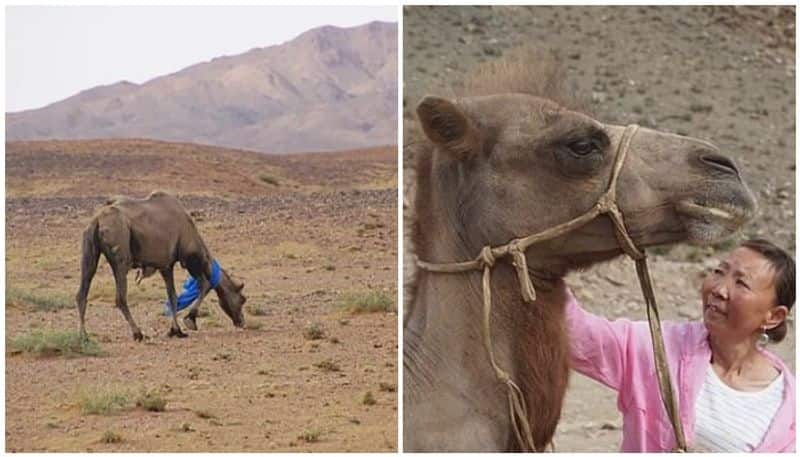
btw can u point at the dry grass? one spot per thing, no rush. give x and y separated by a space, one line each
38 301
256 310
111 437
314 331
50 343
367 302
103 400
368 399
268 179
151 400
295 250
328 366
204 414
310 436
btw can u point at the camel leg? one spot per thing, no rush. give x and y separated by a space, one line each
121 278
190 320
87 273
169 281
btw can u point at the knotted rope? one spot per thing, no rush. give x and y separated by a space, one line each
606 204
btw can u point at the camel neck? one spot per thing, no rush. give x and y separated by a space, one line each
447 368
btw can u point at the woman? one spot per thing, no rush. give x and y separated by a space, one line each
733 394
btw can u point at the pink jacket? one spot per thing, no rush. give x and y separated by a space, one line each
619 354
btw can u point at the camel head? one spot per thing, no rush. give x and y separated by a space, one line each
512 164
231 299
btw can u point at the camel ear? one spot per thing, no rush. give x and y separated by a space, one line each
238 285
447 126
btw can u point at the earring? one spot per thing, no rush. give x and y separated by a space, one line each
763 338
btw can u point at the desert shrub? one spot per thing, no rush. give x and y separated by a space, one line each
368 399
55 343
310 436
367 302
110 437
314 331
256 310
328 366
38 301
205 414
269 179
151 400
103 401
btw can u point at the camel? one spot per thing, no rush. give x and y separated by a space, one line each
152 234
510 157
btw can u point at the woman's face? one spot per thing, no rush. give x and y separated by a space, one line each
739 296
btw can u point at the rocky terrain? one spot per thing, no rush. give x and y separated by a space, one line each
312 236
725 74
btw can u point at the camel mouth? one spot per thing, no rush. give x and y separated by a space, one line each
710 223
701 210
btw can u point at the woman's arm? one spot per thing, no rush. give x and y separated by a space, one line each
599 348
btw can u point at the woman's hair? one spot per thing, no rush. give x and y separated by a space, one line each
783 266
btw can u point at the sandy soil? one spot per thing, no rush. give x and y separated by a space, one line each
725 74
303 232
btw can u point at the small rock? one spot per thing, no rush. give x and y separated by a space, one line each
700 108
491 51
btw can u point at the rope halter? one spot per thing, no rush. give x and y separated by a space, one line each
486 260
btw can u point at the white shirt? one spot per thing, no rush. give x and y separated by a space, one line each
729 420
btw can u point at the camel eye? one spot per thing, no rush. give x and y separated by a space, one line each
582 147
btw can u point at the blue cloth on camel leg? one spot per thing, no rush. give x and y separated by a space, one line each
191 289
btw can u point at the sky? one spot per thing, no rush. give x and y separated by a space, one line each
54 52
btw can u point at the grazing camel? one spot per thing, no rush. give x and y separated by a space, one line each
152 234
511 158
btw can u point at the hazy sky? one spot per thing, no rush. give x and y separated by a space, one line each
53 52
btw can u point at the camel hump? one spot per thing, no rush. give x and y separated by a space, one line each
112 224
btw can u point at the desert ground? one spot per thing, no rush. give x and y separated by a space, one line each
313 237
724 74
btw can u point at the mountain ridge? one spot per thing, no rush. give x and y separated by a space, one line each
329 88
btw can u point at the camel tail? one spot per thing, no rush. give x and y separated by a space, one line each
89 257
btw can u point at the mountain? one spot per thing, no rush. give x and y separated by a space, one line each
330 88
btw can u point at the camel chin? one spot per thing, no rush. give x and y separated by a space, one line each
708 224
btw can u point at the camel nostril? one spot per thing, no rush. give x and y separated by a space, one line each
720 162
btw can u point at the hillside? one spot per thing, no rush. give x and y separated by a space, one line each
328 89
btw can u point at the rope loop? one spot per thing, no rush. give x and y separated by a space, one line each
521 264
